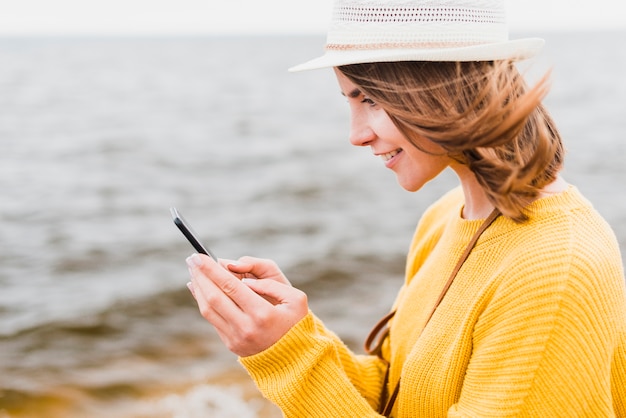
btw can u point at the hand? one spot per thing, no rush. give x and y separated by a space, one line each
250 303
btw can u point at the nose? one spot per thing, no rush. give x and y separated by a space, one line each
361 133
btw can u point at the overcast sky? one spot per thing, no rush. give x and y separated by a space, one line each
163 17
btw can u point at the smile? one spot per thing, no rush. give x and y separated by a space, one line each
388 156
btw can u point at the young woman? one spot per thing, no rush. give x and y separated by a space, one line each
514 302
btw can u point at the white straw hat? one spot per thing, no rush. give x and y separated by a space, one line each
364 31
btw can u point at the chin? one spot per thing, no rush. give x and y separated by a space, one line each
416 179
411 186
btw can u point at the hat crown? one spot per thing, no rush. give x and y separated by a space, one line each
368 31
371 24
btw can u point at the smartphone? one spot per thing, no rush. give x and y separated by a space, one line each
184 227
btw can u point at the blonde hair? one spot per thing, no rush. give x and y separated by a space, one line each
481 113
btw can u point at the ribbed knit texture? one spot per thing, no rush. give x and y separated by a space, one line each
534 325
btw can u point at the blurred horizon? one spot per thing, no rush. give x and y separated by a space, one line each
158 18
514 34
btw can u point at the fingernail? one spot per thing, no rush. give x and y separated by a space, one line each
191 289
247 280
194 260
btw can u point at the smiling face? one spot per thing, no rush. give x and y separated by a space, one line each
371 126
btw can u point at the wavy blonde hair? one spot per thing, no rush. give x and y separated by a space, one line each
481 113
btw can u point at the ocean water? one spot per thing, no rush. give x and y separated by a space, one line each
99 137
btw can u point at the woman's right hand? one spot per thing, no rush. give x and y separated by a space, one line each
250 302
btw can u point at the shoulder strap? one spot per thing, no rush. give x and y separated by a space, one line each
470 246
383 323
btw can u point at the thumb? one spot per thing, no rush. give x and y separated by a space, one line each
257 268
277 293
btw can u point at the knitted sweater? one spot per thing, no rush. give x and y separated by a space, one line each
534 324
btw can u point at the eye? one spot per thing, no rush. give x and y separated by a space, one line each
368 101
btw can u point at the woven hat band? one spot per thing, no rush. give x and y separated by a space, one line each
421 24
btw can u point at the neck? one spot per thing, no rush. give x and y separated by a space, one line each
478 206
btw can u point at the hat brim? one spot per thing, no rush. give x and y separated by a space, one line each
519 49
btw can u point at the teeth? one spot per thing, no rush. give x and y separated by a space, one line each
388 156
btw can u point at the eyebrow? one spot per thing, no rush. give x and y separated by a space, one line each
353 94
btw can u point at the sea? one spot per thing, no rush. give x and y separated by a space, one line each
100 136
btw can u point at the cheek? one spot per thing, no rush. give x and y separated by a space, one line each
421 168
430 148
429 159
384 126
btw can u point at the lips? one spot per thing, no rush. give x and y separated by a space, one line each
389 155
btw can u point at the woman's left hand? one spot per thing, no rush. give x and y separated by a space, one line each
250 303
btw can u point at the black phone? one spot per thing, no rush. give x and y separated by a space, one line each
184 227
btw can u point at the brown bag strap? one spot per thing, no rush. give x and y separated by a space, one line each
375 333
383 326
470 246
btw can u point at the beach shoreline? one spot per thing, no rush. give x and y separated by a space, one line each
230 393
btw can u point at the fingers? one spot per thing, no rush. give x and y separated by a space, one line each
199 265
278 294
224 262
239 309
205 296
258 268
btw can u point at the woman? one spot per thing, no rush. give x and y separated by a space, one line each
514 301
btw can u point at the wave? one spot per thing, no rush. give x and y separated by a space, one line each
229 395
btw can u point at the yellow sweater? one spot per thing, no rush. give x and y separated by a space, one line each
533 325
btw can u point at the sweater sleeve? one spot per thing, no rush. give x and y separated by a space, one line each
544 344
311 373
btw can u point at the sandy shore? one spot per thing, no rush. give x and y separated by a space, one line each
229 394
